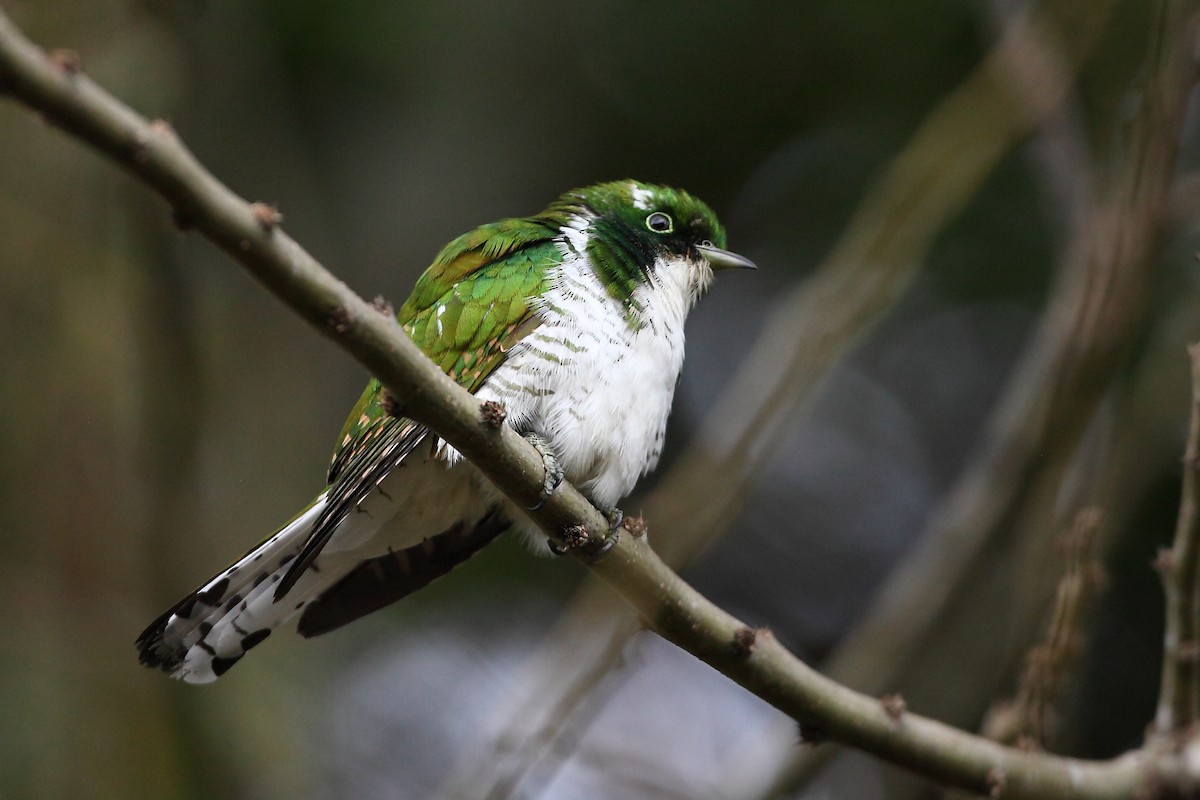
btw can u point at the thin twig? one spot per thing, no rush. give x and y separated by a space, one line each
1179 698
669 605
1028 719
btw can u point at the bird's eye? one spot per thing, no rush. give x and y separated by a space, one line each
660 222
707 243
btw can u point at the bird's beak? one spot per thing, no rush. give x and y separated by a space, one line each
723 259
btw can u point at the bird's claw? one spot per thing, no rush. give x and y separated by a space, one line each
550 462
615 517
610 541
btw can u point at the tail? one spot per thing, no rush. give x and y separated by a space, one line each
205 633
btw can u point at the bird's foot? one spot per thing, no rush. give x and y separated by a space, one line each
608 543
577 537
550 462
614 516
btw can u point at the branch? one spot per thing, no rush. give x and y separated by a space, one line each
250 234
1179 698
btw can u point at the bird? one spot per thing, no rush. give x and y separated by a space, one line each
571 322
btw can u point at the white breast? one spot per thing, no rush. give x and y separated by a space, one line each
596 381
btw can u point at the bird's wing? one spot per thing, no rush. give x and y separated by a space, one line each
474 303
466 312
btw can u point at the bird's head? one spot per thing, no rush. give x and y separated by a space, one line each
640 233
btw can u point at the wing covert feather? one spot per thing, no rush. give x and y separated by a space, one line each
466 312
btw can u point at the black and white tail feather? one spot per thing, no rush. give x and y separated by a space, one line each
206 633
329 565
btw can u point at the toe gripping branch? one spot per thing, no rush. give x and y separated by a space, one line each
576 536
550 462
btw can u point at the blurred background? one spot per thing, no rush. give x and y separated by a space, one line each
160 413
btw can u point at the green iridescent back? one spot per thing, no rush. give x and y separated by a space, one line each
473 303
465 313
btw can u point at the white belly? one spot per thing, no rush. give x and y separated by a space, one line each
597 388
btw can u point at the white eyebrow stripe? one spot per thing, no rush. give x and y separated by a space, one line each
641 197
